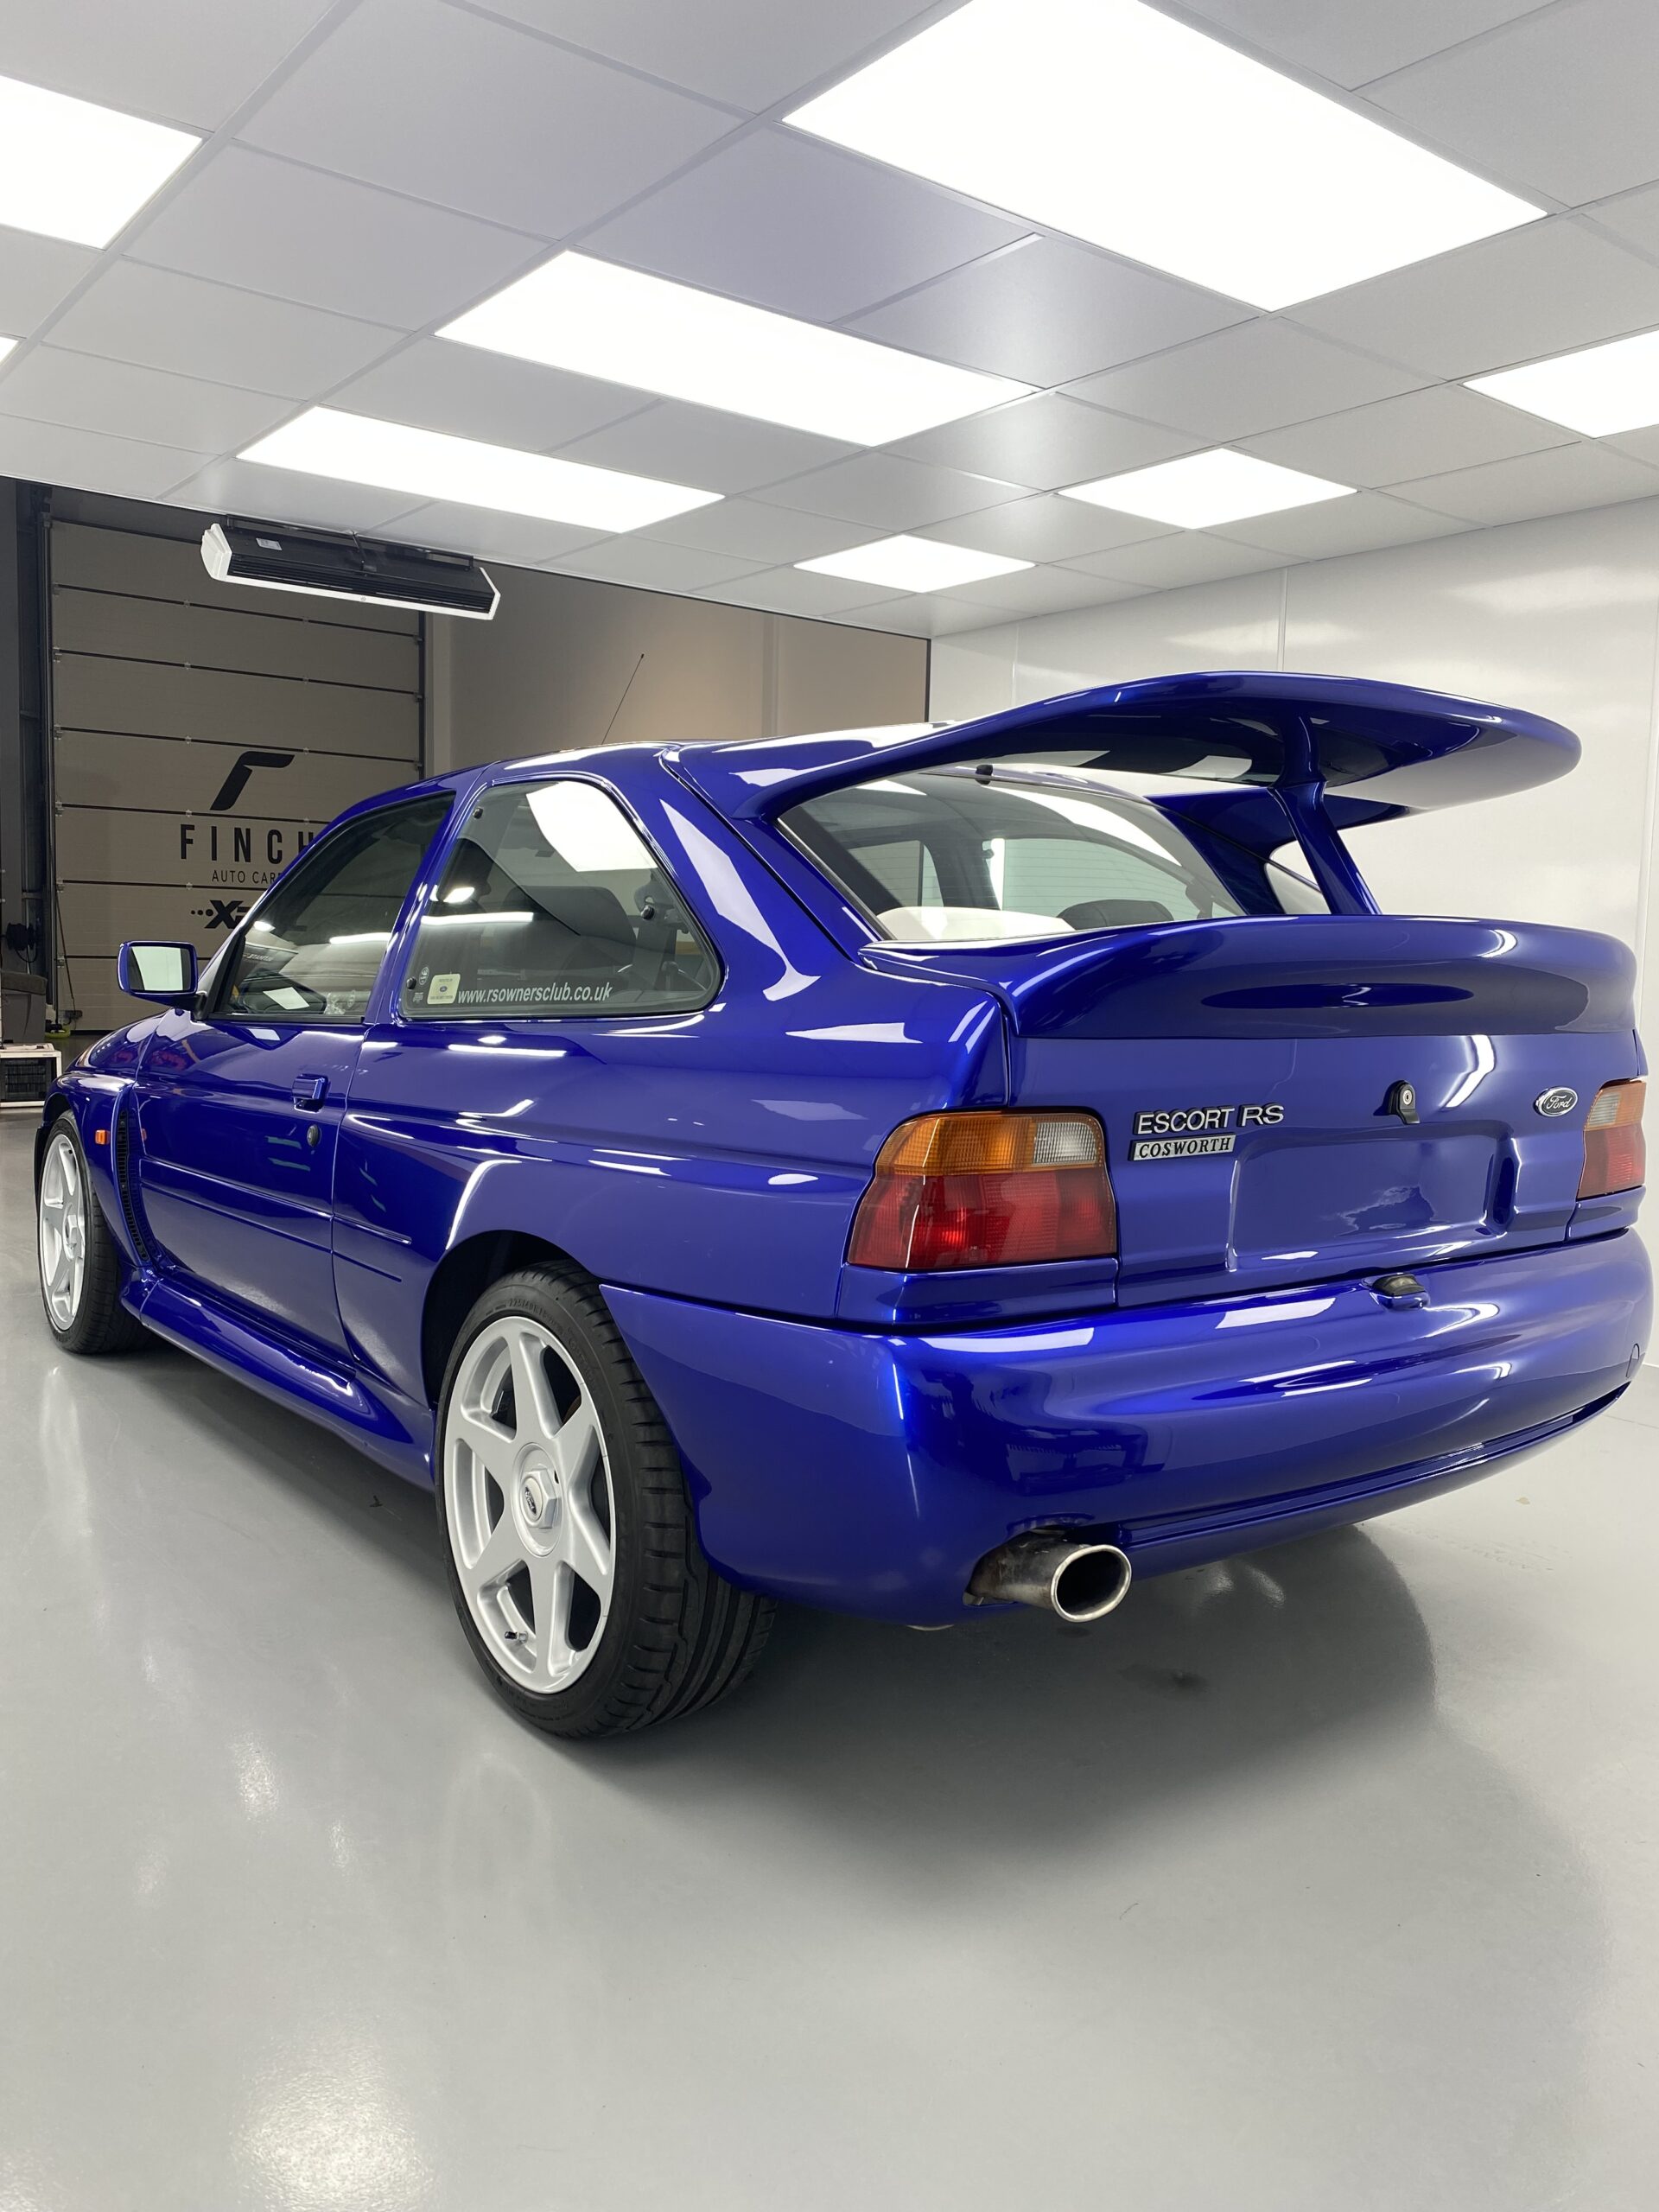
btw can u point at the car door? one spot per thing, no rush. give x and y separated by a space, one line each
239 1104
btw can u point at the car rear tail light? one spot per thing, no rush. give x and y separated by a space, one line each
1615 1150
986 1190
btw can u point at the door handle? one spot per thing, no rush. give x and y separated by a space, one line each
309 1092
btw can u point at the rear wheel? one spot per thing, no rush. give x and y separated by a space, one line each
80 1263
568 1534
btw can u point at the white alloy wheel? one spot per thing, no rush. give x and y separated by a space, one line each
63 1230
530 1504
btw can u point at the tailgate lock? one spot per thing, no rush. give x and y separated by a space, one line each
1401 1290
1402 1100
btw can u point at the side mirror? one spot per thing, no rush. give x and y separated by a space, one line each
166 973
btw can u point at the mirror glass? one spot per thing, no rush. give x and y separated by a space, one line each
158 968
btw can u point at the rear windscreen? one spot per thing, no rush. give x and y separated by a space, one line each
947 854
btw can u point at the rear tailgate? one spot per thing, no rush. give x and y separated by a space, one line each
1290 1098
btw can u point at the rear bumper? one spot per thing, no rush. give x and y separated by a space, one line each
869 1472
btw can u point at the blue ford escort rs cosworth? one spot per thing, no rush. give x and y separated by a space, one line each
907 1172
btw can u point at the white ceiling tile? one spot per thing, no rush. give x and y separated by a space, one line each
1331 527
175 60
262 495
1417 435
1034 591
88 393
1257 377
651 566
35 276
1046 528
748 52
477 115
934 614
1640 445
436 385
793 591
1543 290
49 453
1557 482
753 532
888 495
164 320
1350 43
1047 311
488 535
683 444
1560 100
789 224
1046 442
1190 557
271 225
1634 216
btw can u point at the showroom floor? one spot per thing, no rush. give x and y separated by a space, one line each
1323 1881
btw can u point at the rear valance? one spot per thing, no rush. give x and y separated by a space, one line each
1401 750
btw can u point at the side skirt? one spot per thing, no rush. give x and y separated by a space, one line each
390 1428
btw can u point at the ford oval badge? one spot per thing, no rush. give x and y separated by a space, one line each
1556 1102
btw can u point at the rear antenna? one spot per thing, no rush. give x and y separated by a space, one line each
623 701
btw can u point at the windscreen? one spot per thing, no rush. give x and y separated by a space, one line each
959 855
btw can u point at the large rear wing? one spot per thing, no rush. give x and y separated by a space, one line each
1308 754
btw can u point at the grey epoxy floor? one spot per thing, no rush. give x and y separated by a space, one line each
1320 1882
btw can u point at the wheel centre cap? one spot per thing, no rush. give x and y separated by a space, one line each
539 1490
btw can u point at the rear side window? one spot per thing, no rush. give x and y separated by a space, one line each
941 855
552 904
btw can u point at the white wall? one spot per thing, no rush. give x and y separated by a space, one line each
1559 616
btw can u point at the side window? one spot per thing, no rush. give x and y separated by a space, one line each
553 904
314 949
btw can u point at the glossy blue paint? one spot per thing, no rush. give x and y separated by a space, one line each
856 1437
891 1464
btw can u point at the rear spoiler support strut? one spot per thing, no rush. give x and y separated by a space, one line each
1300 792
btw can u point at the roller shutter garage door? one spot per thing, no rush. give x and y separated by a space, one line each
202 733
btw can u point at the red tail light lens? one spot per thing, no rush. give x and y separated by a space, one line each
991 1190
1615 1150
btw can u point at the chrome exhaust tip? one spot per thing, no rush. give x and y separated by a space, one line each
1080 1582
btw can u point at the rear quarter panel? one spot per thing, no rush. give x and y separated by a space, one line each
716 1155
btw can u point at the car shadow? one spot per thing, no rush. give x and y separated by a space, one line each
1010 1728
1014 1730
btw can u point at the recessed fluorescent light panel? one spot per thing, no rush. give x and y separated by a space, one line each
1120 125
1206 489
6 345
599 320
69 169
912 564
430 465
1600 391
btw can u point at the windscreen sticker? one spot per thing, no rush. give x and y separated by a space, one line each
442 990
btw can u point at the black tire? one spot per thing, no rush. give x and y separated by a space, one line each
679 1636
100 1323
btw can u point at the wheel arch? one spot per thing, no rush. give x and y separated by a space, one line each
462 1277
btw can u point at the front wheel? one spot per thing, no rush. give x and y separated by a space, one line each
80 1265
568 1534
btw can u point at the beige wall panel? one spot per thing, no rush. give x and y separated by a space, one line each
144 700
99 844
98 916
96 769
171 568
550 672
830 678
111 623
